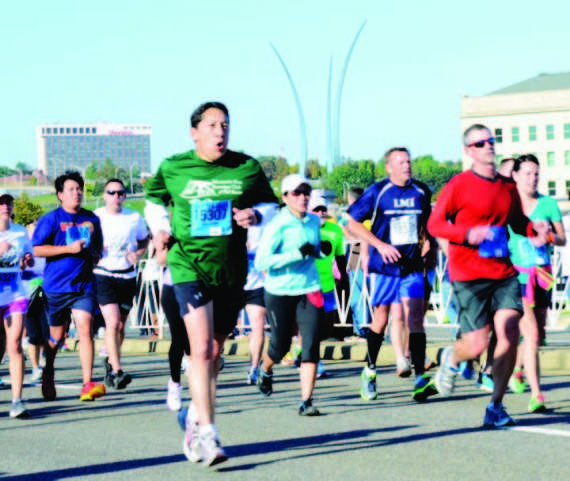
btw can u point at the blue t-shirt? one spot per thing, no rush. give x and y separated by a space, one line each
69 272
398 217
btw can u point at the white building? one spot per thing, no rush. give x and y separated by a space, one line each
532 116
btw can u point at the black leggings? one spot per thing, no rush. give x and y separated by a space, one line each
179 344
282 312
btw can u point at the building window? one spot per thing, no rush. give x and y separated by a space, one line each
567 157
568 189
567 131
550 132
499 136
552 188
94 130
532 133
74 130
499 158
550 159
515 134
80 130
68 130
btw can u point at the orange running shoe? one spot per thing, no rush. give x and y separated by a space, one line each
92 391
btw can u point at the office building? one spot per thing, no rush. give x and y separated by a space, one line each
532 116
64 147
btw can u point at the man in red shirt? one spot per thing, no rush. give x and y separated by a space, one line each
472 213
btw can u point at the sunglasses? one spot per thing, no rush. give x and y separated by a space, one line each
481 143
298 192
120 193
320 208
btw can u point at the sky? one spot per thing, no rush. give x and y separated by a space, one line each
149 62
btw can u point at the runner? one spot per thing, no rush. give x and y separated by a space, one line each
213 191
332 248
286 254
398 207
70 239
254 294
15 255
472 212
535 276
125 238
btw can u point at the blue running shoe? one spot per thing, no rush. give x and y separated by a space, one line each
423 388
368 384
485 382
497 417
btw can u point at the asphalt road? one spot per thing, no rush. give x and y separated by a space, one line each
130 435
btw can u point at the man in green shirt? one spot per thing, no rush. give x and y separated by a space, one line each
213 192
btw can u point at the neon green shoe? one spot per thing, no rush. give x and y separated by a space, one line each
368 384
536 404
517 382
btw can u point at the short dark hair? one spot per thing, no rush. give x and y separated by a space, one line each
196 116
507 159
473 128
356 191
389 152
110 181
68 175
522 159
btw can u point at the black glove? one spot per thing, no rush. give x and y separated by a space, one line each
307 249
326 248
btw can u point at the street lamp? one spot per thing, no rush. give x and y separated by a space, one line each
131 176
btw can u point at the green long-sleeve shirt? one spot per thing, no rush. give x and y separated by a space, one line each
210 247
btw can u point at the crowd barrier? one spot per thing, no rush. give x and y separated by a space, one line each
147 312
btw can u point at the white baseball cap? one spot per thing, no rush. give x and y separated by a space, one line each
292 182
317 201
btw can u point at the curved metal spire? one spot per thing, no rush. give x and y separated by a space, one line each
339 97
302 126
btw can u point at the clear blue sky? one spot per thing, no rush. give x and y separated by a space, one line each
141 61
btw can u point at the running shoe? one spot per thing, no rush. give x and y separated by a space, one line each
191 444
429 364
288 359
182 415
321 371
174 396
403 367
265 383
497 417
109 376
517 382
536 404
211 449
18 410
92 391
48 384
2 383
485 382
466 369
423 388
36 374
252 375
446 374
306 408
368 384
122 379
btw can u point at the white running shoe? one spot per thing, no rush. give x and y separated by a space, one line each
403 367
191 446
212 451
174 396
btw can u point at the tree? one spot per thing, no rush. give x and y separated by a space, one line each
91 172
26 211
23 168
314 169
350 174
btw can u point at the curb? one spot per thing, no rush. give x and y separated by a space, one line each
552 359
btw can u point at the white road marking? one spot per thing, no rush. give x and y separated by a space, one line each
550 432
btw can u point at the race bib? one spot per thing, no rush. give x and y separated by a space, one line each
211 218
75 233
404 230
495 245
8 277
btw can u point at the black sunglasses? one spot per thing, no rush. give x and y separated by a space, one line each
481 143
120 193
298 192
320 208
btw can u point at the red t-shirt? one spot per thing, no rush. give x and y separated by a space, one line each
468 201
